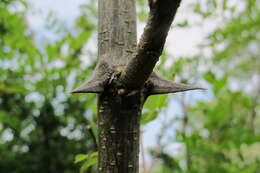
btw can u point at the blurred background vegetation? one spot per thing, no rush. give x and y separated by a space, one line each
43 127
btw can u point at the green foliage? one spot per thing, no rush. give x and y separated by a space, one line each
41 126
222 133
170 164
217 84
226 127
238 42
142 10
88 159
152 108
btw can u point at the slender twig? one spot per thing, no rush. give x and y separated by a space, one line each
95 146
158 149
184 135
255 101
142 153
92 135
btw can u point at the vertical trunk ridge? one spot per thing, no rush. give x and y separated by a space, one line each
118 114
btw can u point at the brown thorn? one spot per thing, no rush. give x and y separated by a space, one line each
163 86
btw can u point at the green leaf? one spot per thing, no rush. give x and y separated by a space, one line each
152 108
155 102
81 157
209 77
183 24
148 117
95 154
87 164
251 169
220 83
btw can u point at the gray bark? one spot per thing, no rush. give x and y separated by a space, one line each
119 111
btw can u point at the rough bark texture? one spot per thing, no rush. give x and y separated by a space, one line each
117 30
118 124
118 110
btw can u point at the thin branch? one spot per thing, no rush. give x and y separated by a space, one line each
142 153
95 145
151 44
160 147
255 101
185 122
90 131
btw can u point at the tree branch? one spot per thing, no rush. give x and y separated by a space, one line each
93 137
151 44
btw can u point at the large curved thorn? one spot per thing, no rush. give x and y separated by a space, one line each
163 86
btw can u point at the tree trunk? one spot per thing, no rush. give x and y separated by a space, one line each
119 131
118 114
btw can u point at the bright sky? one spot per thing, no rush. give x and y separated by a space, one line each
179 42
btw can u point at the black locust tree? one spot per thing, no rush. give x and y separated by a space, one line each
124 77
